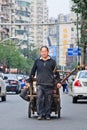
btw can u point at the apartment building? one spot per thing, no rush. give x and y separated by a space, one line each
15 11
6 16
39 15
25 11
22 15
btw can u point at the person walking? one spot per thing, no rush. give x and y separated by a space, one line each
64 84
85 67
43 69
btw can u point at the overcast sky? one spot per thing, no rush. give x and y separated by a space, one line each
58 6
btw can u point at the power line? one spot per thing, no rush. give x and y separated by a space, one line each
35 24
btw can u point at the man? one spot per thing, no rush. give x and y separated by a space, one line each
44 68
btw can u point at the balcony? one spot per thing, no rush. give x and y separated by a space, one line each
4 3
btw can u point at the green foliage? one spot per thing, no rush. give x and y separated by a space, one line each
34 54
10 56
73 65
80 6
13 57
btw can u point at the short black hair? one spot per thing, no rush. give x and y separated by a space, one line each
44 47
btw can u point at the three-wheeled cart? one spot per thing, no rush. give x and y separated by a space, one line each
56 102
32 108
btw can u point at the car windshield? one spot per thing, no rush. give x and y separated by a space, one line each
83 75
11 76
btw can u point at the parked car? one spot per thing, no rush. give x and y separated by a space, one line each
79 86
12 83
2 90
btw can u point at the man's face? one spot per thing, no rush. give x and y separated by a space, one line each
44 52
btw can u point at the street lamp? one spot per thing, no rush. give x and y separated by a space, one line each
7 39
77 27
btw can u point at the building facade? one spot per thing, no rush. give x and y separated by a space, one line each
63 35
39 15
15 11
25 11
67 39
6 16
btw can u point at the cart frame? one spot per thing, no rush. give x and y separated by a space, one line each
56 103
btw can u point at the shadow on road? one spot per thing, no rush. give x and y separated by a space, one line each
52 118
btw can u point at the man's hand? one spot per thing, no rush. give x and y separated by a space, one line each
59 85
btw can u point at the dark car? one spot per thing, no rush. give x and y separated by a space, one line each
12 84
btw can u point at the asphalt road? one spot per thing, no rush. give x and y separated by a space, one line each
13 115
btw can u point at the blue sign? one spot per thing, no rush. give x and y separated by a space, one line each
74 52
52 51
70 52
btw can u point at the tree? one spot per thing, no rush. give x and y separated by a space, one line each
12 57
32 54
80 7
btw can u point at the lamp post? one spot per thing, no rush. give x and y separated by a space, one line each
77 27
7 39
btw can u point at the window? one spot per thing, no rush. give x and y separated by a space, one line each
23 3
20 32
23 13
83 75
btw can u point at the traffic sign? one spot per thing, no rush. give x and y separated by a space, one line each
74 52
70 52
53 51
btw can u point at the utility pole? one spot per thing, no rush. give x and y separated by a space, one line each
77 27
84 54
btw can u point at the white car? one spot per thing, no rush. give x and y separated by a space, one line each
2 90
79 86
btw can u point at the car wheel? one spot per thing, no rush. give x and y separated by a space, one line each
3 98
17 92
74 100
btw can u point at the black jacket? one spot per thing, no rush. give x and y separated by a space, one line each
43 71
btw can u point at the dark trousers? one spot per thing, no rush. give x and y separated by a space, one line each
44 100
64 87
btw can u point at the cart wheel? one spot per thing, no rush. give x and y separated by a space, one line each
59 109
29 110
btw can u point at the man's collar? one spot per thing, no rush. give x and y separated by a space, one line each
41 58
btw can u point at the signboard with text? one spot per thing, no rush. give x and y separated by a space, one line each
53 51
74 52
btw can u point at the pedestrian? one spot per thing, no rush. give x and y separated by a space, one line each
64 84
64 87
43 69
85 67
67 85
